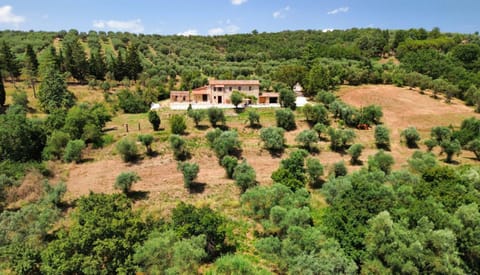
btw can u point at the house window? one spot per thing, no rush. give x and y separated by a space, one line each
230 89
239 88
249 88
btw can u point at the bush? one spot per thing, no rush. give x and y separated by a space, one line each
307 138
125 180
381 161
273 139
316 114
128 149
285 119
154 119
355 151
253 118
177 124
147 141
229 163
314 170
292 170
20 98
244 176
382 137
371 115
189 171
227 143
179 147
216 115
474 146
236 98
430 143
422 162
325 97
131 103
411 136
73 151
287 98
56 144
450 148
196 115
339 138
339 169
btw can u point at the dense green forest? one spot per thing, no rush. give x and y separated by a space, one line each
422 219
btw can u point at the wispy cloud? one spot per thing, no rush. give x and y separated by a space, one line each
339 10
238 2
281 13
216 31
188 32
224 28
327 30
8 17
115 25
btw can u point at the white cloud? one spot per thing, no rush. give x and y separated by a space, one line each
7 17
216 31
128 26
238 2
281 13
335 11
327 30
189 32
232 29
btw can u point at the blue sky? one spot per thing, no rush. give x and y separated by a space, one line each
214 17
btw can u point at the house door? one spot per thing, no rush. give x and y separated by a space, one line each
219 99
204 98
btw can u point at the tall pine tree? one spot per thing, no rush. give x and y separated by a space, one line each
133 62
10 62
53 93
75 60
2 91
31 67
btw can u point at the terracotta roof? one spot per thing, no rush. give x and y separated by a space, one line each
234 82
270 95
180 92
200 88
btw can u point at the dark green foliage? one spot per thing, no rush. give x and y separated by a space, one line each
10 63
340 138
318 79
2 91
133 62
86 122
179 147
125 180
450 147
308 139
147 141
292 170
55 146
216 115
189 221
236 97
339 169
325 97
101 238
273 139
244 176
197 115
474 146
285 119
53 93
469 130
381 161
229 163
382 137
189 171
348 114
287 98
21 139
355 151
422 162
430 143
411 136
178 124
371 115
441 133
213 135
19 97
154 119
127 149
227 143
131 102
253 118
314 170
73 151
316 114
75 60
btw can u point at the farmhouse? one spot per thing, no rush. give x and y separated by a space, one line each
220 91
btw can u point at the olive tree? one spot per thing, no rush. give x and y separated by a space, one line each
411 136
125 180
273 139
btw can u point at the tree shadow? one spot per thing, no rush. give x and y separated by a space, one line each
138 195
152 154
201 127
317 184
86 160
413 146
276 153
385 147
452 162
109 129
255 126
357 162
223 127
239 110
197 187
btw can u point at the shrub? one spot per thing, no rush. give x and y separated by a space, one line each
128 149
253 118
189 171
411 136
316 114
196 115
355 151
382 137
430 143
287 98
474 146
421 162
381 161
244 176
273 139
73 151
154 119
125 180
314 170
371 115
229 163
339 138
131 103
236 98
285 119
292 170
441 133
177 124
339 169
307 138
179 147
20 98
325 97
56 144
450 148
226 144
147 141
216 115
